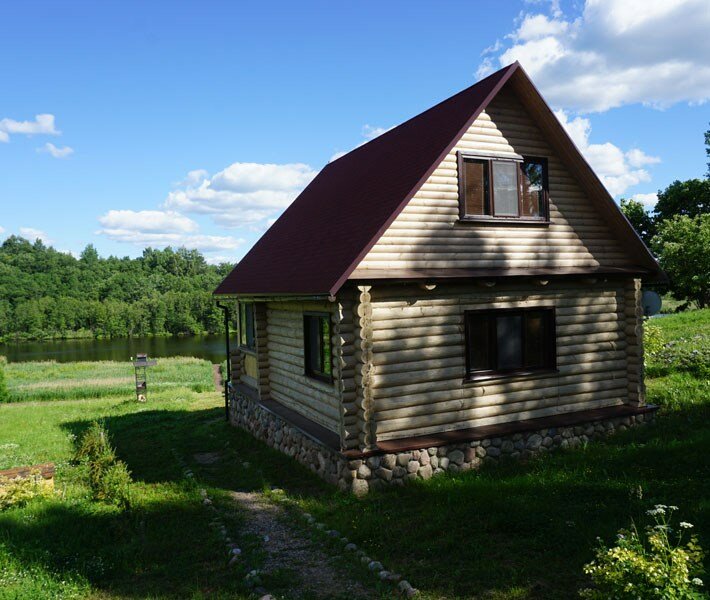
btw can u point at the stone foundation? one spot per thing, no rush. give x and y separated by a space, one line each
360 475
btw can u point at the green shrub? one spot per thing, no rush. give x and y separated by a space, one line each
652 340
113 486
4 393
659 563
108 477
19 491
93 444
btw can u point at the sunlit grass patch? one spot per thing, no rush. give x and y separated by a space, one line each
42 381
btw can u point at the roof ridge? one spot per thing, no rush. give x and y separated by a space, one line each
435 107
320 238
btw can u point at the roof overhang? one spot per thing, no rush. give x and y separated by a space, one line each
250 297
394 276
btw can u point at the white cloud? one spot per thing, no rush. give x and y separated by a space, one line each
617 169
648 200
148 221
638 158
2 230
42 125
203 243
654 52
534 27
32 234
194 177
243 194
218 259
56 152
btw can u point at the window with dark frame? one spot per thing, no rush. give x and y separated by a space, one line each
246 325
503 189
509 341
317 347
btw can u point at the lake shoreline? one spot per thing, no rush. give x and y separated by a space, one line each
207 346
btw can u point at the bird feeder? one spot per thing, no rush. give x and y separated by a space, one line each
141 364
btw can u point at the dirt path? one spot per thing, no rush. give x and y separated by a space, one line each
218 381
291 553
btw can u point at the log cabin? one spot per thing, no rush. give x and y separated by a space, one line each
459 289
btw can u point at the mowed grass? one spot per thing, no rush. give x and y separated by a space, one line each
526 530
44 381
72 547
519 531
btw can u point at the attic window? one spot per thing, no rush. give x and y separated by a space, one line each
500 189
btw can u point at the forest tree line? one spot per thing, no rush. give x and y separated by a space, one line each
49 294
677 231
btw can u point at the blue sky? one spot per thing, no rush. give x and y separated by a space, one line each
196 123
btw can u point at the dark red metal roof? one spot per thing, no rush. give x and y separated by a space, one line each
318 241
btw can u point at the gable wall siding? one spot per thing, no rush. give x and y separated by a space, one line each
418 356
316 400
426 234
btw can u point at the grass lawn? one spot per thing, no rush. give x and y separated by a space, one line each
515 531
79 380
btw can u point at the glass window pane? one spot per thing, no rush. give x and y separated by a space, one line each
505 188
246 324
509 338
532 175
249 309
536 341
478 342
325 341
475 177
312 349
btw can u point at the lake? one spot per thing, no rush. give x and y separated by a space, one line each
209 347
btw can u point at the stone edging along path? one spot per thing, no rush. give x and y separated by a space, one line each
284 543
348 549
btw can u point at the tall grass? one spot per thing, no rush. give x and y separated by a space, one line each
45 381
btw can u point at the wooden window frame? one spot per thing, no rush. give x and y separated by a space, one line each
488 374
244 346
543 219
319 376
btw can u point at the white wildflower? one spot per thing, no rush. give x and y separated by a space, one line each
686 525
697 581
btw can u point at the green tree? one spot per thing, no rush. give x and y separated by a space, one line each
638 216
691 198
90 255
683 247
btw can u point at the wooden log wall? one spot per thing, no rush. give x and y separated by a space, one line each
417 357
236 360
367 437
261 337
633 314
314 399
343 351
427 234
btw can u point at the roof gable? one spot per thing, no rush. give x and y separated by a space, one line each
317 242
313 248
